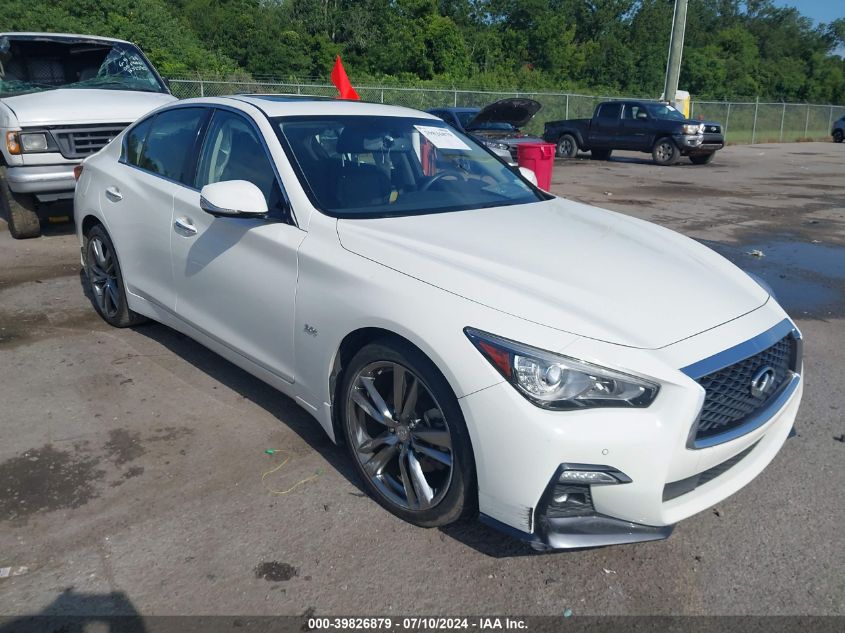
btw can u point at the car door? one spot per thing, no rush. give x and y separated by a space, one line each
636 127
606 126
137 198
235 277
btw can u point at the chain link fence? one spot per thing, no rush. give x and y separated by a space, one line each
748 122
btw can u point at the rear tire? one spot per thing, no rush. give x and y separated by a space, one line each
105 280
601 154
567 146
21 211
401 457
701 159
838 136
665 152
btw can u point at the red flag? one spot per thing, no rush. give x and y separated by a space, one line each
340 80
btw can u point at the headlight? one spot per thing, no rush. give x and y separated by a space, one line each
494 145
693 128
34 142
553 381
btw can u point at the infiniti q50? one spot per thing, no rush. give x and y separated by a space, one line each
570 375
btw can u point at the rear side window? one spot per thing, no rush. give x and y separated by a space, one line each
135 141
171 144
610 110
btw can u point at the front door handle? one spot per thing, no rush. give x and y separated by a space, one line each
185 227
113 194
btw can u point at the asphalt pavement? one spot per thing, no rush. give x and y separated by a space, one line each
131 461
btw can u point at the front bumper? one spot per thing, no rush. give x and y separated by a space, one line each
41 179
521 449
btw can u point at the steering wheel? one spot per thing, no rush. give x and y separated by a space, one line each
454 173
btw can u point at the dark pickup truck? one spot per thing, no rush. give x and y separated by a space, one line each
643 126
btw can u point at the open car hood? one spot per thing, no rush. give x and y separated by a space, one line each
517 112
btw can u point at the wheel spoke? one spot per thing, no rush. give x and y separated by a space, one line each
440 456
370 445
423 491
378 461
375 396
97 245
109 266
111 291
410 399
399 375
361 400
433 436
410 495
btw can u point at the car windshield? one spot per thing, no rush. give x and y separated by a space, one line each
466 116
379 166
35 64
663 111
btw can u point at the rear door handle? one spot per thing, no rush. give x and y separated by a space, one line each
113 194
185 227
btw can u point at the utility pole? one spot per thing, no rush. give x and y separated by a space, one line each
676 50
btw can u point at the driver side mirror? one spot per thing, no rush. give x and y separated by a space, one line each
233 199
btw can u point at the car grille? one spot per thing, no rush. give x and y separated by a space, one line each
712 129
82 141
729 401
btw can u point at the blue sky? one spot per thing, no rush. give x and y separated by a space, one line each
819 10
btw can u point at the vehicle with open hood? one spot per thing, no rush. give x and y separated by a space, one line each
62 98
498 125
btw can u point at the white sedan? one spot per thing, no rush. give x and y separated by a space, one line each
573 376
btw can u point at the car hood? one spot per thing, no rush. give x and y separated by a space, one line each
82 105
568 266
517 112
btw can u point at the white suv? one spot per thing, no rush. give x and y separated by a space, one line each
62 98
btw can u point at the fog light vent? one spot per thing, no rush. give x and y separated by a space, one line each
570 501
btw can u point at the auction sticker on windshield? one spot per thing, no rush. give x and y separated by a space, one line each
441 137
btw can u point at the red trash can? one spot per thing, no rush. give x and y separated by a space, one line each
539 158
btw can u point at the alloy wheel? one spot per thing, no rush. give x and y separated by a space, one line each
664 151
102 274
400 435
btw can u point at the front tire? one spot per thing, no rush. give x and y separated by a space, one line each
701 159
665 152
105 280
567 146
838 136
21 211
406 435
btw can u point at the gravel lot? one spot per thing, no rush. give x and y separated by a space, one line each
131 461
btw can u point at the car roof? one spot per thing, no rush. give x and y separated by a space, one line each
59 36
302 105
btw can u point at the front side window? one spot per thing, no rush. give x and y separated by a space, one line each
30 64
663 111
171 143
233 151
633 112
372 166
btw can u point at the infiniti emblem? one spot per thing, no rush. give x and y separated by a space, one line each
763 382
